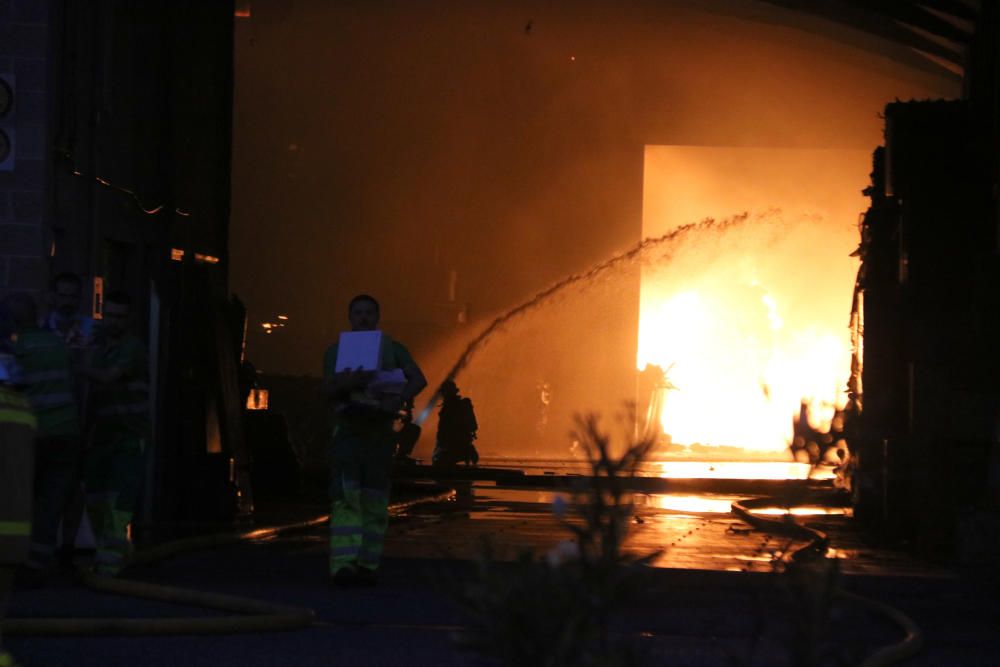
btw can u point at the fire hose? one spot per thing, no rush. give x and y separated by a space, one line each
816 544
247 615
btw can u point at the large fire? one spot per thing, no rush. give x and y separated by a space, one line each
749 325
736 374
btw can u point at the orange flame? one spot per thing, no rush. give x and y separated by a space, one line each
749 325
736 374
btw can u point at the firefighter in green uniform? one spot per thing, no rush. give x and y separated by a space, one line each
17 435
113 467
362 450
46 382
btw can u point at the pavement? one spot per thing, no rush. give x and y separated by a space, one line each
712 597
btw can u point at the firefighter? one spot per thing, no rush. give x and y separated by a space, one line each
17 434
457 428
46 382
362 450
117 369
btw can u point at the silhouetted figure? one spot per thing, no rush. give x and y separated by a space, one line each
407 437
813 446
457 428
806 440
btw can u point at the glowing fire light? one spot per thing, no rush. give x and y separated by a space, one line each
750 324
739 470
739 375
258 399
710 504
271 327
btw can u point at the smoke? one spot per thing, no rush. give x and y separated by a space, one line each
380 146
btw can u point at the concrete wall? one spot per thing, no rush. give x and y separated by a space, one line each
25 62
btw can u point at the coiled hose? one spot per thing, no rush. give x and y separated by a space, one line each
816 544
246 615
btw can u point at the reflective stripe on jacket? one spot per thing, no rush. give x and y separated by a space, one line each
14 409
45 363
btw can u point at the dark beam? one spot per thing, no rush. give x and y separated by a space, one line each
912 13
956 8
872 22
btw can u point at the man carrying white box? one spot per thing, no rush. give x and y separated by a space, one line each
367 377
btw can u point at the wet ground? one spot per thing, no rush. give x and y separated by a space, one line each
690 528
712 598
687 531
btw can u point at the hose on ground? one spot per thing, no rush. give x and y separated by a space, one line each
816 541
247 615
816 545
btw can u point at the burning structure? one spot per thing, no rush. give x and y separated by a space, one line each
456 157
749 324
549 140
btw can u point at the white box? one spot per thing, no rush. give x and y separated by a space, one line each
359 349
388 382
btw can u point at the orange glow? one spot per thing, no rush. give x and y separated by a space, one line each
176 254
734 470
738 382
97 306
697 504
710 504
257 400
806 511
749 324
205 259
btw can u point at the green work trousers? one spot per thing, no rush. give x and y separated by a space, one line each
359 494
113 478
57 470
16 475
17 462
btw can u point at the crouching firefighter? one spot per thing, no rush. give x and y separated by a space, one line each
113 468
17 435
362 449
457 428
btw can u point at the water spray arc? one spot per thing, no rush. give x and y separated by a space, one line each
621 259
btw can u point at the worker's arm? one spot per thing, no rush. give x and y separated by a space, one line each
415 381
111 374
338 386
103 375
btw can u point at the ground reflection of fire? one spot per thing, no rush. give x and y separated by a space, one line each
748 325
674 469
716 504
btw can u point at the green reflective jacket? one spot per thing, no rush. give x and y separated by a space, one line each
394 355
45 365
122 405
